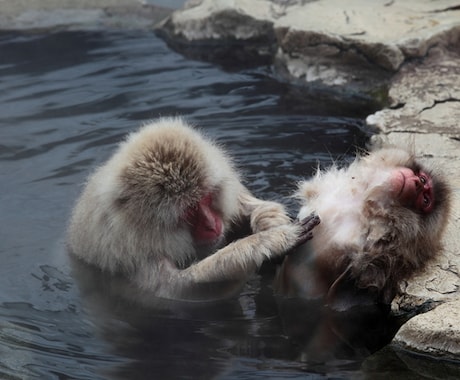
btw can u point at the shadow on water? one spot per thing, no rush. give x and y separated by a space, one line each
67 99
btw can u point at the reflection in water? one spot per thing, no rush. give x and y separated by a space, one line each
324 335
268 332
66 100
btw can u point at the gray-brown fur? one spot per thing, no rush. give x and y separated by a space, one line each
129 218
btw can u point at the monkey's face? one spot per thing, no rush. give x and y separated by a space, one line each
413 189
205 221
410 184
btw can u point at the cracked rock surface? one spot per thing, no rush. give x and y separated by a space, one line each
428 90
360 45
439 338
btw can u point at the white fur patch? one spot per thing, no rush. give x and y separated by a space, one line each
337 197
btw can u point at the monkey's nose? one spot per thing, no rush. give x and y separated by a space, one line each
418 184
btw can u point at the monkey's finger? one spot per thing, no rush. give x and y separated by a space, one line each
310 222
303 238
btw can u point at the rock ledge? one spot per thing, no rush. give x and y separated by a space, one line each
360 46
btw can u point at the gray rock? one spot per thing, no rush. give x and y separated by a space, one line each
49 15
424 97
361 45
436 332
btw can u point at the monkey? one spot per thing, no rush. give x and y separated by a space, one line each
382 220
158 212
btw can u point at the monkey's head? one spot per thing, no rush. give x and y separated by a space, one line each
415 198
175 186
410 184
382 219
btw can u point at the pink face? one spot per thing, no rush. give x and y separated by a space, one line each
205 221
413 189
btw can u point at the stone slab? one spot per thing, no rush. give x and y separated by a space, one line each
361 45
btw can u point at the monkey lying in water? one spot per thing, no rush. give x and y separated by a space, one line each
382 219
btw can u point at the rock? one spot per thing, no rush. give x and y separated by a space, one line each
48 15
424 97
360 46
216 31
58 18
436 332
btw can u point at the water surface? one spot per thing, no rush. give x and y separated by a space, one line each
67 99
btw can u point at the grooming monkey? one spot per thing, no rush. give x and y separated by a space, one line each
382 219
159 210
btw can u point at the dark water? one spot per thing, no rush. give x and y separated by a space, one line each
66 100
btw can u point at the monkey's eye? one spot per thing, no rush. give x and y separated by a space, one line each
422 179
426 201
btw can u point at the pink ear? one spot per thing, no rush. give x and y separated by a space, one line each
206 223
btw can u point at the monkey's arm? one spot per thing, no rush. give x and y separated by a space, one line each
263 215
225 272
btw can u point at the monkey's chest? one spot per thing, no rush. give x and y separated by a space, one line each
341 222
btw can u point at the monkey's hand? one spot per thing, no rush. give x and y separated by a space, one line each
281 240
306 228
268 215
